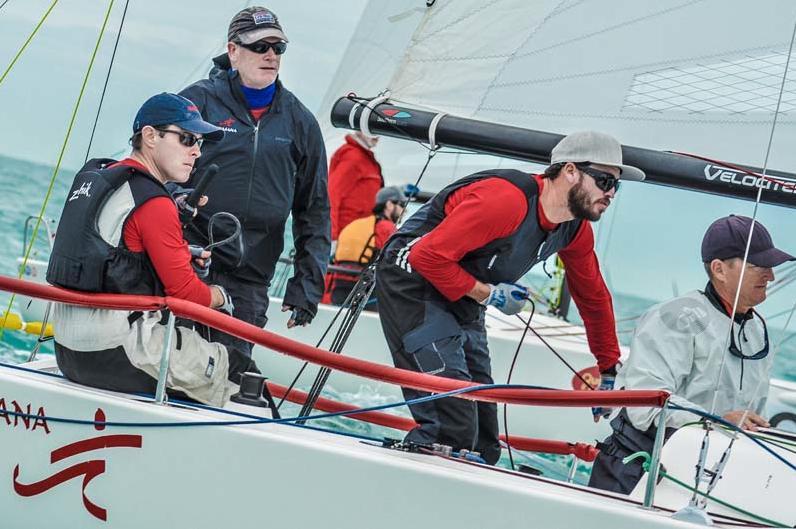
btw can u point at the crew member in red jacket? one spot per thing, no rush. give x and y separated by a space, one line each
467 248
354 179
361 241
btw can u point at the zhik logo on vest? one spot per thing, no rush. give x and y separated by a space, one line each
82 191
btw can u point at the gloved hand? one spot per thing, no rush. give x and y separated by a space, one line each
299 318
411 190
606 384
200 260
227 306
508 298
180 195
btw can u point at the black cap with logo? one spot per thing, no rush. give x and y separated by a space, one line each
253 24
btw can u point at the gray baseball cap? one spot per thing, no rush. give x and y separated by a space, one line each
253 24
390 194
594 147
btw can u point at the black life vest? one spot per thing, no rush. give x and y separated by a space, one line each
503 260
85 256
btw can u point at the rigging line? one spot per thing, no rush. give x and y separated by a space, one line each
754 218
4 4
508 379
784 330
585 382
30 38
735 167
107 78
360 294
60 157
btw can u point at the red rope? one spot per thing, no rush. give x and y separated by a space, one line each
783 183
354 366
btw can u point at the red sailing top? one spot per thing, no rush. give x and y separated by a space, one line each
490 209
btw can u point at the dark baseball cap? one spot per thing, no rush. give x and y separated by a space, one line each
726 239
253 24
171 109
390 194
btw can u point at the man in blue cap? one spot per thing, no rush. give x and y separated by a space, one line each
708 356
120 233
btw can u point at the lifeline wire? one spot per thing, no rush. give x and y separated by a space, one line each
30 38
107 78
63 146
381 407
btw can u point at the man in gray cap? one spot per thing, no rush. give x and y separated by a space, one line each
691 348
466 249
273 164
361 241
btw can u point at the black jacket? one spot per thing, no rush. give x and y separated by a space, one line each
268 170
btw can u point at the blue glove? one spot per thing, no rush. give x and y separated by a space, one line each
508 298
411 190
606 384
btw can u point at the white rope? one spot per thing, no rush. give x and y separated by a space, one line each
368 110
432 131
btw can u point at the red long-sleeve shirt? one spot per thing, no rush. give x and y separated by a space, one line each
354 179
493 208
155 228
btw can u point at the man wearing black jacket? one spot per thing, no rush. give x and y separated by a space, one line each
273 163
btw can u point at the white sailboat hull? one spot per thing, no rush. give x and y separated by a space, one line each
279 475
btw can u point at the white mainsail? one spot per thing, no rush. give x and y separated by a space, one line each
700 76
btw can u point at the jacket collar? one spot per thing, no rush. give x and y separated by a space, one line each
227 83
715 300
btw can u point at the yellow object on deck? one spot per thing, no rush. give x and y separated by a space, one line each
14 322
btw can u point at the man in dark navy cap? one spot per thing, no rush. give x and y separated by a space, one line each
273 165
709 349
120 233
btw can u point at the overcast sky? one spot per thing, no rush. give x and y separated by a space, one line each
165 45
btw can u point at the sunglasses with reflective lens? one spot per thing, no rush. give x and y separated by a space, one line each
186 138
262 46
603 180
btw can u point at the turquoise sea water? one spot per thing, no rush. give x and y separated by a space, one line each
22 189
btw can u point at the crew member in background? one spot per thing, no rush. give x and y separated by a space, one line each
681 346
467 247
354 179
120 233
361 241
273 164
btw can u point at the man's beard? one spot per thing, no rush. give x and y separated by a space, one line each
580 204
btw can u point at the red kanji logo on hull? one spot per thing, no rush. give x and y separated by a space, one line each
87 469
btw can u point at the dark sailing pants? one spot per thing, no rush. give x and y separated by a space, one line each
251 305
423 336
608 472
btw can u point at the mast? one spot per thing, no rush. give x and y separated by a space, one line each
662 168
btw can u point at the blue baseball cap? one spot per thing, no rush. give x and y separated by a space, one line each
171 109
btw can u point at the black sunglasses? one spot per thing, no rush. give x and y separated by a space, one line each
186 138
262 46
603 180
736 351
